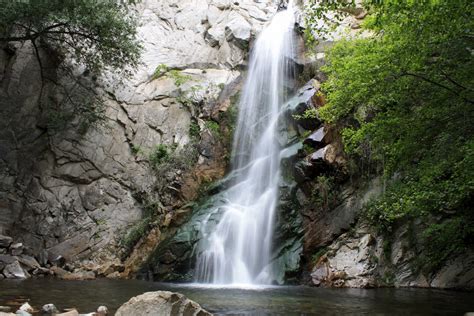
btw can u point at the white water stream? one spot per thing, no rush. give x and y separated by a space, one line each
238 249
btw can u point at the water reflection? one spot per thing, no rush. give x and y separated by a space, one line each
255 301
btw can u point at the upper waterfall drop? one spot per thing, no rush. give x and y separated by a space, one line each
237 250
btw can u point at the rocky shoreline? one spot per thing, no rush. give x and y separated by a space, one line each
17 262
159 303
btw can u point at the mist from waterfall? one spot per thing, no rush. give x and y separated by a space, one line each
237 250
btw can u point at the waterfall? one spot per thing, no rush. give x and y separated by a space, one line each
237 250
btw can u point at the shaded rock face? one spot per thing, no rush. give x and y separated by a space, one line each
77 194
361 259
161 303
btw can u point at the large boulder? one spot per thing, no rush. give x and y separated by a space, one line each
15 271
161 303
239 31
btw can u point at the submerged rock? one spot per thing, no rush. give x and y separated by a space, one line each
161 303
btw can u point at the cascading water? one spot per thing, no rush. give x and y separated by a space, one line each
238 249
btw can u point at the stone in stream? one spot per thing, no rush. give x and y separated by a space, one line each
161 303
5 241
5 309
72 312
102 310
49 309
27 308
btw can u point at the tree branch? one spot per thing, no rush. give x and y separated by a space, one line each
33 36
436 84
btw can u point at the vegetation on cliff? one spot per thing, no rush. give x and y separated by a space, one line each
97 35
404 102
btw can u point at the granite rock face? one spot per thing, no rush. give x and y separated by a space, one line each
76 194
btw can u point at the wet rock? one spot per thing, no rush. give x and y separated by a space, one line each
102 310
302 101
5 309
113 275
28 262
57 271
15 271
304 171
5 241
49 309
16 249
43 257
160 303
316 139
27 308
42 271
79 275
7 314
69 313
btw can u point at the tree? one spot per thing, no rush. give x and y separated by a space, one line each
404 100
99 35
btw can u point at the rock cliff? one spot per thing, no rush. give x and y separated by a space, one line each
75 194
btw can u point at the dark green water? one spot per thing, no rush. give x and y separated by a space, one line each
88 295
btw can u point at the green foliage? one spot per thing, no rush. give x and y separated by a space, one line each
308 114
323 17
445 240
98 34
404 100
213 127
325 194
159 154
136 149
194 130
160 70
178 78
135 234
